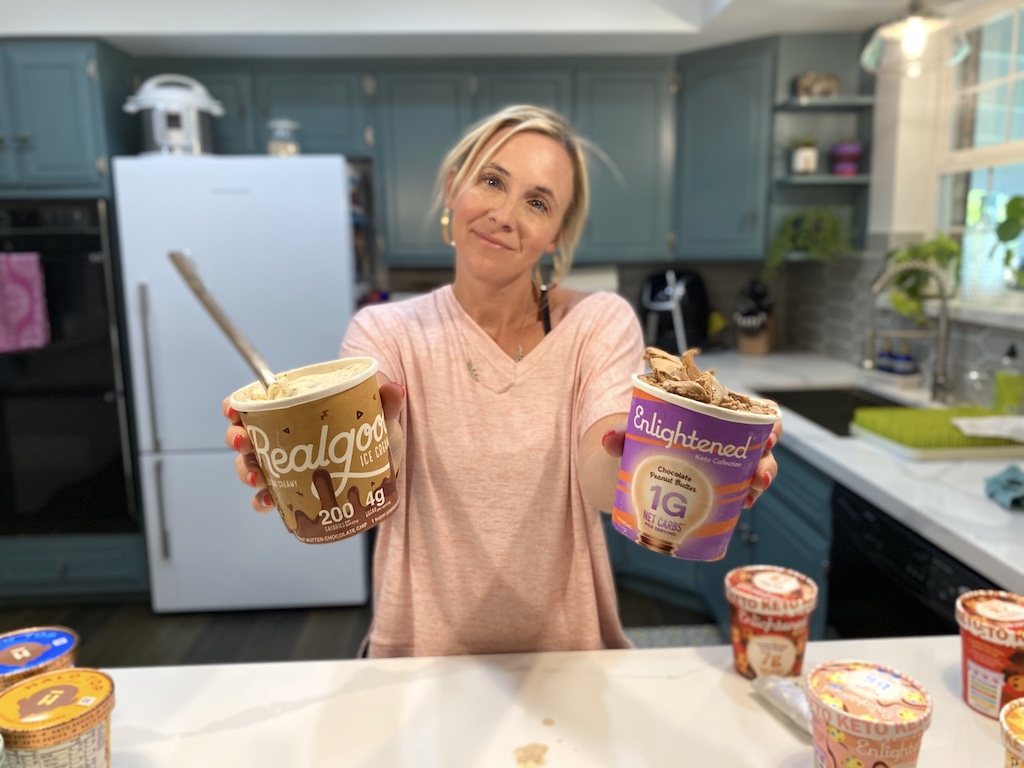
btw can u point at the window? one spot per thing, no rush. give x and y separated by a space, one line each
982 150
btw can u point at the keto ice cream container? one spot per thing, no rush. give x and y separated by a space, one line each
34 651
992 648
58 719
1011 723
770 609
866 714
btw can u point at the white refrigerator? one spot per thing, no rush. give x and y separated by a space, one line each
273 238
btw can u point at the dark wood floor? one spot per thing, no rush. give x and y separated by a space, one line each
130 634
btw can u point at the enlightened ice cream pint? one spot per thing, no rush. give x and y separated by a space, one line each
770 609
992 648
691 449
866 715
320 440
1011 723
35 650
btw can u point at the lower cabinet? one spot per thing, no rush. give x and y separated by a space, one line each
790 526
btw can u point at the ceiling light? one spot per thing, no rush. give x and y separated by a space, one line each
911 46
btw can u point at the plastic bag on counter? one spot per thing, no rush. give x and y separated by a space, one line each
788 696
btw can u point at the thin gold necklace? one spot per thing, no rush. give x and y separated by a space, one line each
515 359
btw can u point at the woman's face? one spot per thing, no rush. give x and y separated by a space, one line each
508 211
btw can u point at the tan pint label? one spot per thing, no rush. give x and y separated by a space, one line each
327 463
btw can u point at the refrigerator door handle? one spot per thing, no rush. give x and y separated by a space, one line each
147 358
165 539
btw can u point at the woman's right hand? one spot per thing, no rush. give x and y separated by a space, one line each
392 400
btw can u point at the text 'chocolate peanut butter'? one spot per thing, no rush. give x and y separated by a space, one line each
321 442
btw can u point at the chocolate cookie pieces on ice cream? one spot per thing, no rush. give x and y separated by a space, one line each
681 376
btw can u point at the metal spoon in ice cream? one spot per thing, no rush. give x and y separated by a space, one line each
255 360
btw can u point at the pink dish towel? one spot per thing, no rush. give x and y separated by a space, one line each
24 323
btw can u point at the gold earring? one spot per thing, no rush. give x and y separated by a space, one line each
446 226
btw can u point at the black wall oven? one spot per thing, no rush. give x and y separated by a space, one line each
68 516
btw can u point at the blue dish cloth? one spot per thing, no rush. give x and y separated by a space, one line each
1007 488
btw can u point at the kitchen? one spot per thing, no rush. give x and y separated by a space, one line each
346 79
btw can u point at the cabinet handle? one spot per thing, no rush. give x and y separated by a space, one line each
147 360
368 137
101 165
3 140
24 140
165 539
752 217
369 85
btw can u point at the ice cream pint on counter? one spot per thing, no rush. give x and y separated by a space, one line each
320 440
691 449
770 609
992 648
34 651
866 714
1011 723
58 719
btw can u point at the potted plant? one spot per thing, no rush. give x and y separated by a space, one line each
816 231
909 289
803 155
1009 231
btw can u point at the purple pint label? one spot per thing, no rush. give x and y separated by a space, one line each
684 474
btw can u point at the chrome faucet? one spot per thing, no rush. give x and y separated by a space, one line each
940 378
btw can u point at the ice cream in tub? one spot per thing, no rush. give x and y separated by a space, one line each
34 651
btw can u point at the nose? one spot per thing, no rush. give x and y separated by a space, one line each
502 211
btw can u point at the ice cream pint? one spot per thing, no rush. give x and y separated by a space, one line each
59 718
866 714
685 471
34 651
770 609
992 648
321 442
1011 723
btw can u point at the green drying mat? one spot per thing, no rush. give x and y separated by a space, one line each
927 433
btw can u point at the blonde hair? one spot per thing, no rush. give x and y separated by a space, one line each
467 156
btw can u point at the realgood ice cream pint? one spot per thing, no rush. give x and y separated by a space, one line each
58 719
866 714
992 640
771 610
34 651
691 449
320 440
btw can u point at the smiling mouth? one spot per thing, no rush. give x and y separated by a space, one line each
491 242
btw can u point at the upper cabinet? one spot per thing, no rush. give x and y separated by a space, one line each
329 106
421 115
501 85
626 113
60 117
723 147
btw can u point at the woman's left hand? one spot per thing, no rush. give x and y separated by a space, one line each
614 441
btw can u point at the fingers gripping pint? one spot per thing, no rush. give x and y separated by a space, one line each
691 449
320 439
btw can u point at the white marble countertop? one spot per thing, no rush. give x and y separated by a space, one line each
943 501
653 707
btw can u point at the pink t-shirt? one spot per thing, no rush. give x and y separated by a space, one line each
492 549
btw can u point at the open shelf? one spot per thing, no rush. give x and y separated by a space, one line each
825 103
824 180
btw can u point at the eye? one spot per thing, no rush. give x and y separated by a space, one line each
540 205
491 181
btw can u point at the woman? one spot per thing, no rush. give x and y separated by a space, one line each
506 403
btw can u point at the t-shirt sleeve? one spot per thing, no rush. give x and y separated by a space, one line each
614 352
368 336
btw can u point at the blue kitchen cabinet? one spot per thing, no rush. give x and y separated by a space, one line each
421 115
61 103
329 106
724 158
794 526
709 577
499 86
230 83
626 110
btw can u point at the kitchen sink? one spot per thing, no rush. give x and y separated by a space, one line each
828 408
